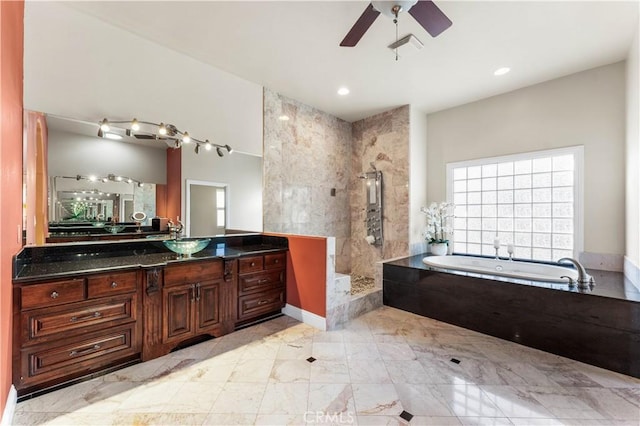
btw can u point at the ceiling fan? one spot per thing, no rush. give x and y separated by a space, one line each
425 12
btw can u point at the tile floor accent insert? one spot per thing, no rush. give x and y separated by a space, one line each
387 367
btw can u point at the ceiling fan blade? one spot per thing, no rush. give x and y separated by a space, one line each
360 27
430 17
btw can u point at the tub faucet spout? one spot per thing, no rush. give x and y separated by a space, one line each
584 279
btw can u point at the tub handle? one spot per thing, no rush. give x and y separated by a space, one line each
571 280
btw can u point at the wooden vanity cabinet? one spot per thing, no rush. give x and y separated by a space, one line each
192 300
192 303
68 328
261 286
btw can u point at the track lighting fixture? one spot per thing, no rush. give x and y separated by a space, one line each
167 133
104 179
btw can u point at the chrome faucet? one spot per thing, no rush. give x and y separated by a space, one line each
175 231
584 280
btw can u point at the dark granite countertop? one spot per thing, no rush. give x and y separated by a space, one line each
608 284
60 260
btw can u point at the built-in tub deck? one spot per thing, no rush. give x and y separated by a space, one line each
599 326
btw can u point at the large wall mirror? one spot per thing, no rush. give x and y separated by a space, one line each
89 180
75 179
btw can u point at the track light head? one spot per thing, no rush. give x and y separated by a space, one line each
229 149
219 151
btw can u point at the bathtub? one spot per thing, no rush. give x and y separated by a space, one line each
504 268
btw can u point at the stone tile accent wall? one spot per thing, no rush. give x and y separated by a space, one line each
304 158
384 140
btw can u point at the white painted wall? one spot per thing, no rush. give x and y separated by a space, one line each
633 162
71 154
78 66
586 108
417 179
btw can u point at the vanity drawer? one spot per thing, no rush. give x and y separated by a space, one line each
52 293
274 261
259 304
250 264
261 281
107 285
86 354
192 272
51 323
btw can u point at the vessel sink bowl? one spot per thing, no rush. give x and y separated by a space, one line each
114 229
187 246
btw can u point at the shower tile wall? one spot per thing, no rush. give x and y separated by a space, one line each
304 158
384 140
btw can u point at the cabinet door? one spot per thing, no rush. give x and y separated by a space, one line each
209 306
178 318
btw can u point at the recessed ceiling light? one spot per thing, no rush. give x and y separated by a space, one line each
343 91
283 118
502 71
112 136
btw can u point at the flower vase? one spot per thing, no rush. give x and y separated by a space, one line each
439 249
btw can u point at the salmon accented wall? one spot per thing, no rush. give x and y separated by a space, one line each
11 55
307 273
174 183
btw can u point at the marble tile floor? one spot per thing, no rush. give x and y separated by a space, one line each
387 367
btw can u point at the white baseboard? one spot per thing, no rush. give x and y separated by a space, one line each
10 407
632 272
305 316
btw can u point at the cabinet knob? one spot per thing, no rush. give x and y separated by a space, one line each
277 261
54 295
253 263
114 284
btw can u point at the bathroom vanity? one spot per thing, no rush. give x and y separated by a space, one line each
85 308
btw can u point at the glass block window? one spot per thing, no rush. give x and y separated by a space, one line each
532 201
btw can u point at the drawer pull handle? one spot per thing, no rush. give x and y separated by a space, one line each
198 291
55 294
263 281
253 264
86 317
263 302
193 293
85 351
114 284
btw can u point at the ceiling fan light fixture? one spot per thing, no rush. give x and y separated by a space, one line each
343 91
386 7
